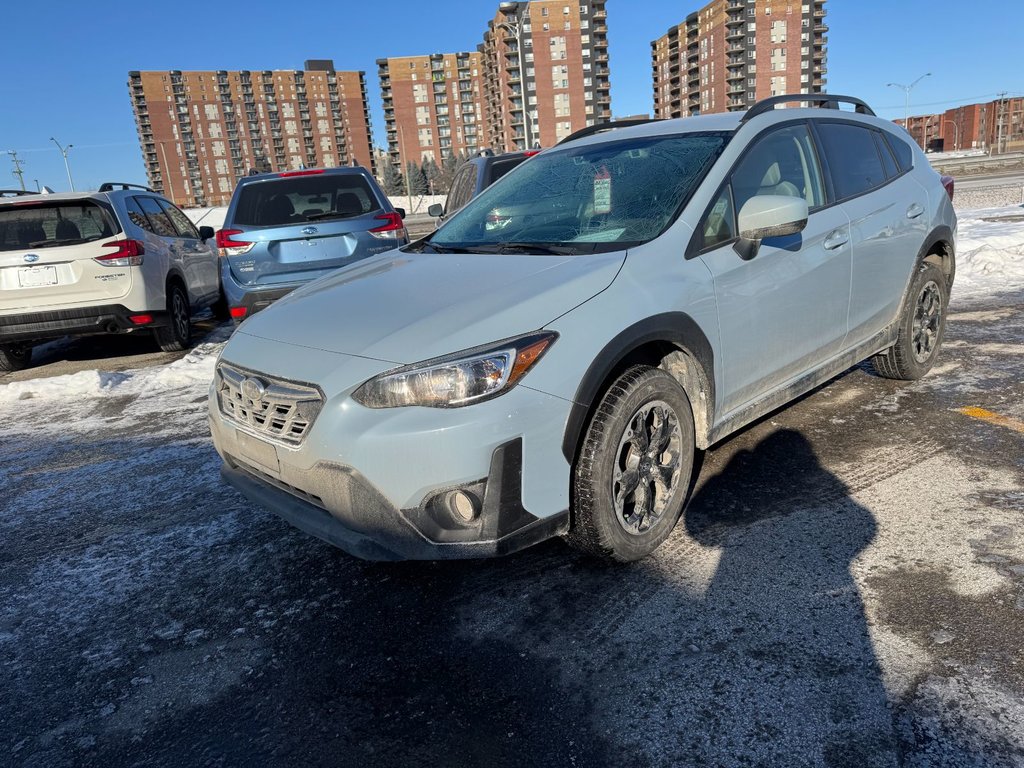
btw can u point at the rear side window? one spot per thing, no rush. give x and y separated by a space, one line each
181 222
46 225
159 223
904 154
298 199
852 158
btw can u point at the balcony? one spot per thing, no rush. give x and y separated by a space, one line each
734 34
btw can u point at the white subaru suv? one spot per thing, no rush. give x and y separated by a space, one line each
653 288
119 260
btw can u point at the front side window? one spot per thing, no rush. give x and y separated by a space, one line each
852 158
780 163
586 199
159 224
181 222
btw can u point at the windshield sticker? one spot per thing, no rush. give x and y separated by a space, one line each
602 191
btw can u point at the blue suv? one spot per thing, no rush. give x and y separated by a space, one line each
283 230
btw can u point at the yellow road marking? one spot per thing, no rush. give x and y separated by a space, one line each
993 418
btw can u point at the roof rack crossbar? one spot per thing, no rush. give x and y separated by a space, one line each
590 130
109 186
822 100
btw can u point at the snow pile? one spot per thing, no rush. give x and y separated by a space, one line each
990 252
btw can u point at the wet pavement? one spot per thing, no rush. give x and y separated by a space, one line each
846 588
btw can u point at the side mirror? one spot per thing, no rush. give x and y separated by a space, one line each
436 210
400 212
206 233
765 216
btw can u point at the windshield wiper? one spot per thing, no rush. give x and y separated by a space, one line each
542 248
331 215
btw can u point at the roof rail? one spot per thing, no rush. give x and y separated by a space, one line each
109 186
16 192
823 100
590 130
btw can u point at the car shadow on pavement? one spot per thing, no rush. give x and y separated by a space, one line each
741 641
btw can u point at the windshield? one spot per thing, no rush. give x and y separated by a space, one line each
50 224
599 197
298 199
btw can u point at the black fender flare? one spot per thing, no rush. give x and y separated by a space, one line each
675 328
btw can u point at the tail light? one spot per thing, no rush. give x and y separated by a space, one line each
393 227
948 182
227 245
531 152
287 174
127 253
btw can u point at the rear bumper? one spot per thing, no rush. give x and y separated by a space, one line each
252 297
354 516
82 321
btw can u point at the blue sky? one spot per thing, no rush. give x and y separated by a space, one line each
66 62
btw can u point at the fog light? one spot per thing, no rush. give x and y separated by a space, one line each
462 506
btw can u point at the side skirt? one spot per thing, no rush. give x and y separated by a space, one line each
802 385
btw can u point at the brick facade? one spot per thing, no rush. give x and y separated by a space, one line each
201 131
731 53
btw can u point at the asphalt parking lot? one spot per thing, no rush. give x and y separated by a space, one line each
846 588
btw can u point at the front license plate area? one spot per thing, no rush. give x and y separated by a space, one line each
37 277
260 454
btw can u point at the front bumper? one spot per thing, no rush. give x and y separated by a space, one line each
378 474
84 321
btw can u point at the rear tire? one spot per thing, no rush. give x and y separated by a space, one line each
921 327
633 473
177 334
15 358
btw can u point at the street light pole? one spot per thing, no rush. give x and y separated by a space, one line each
906 92
67 167
515 28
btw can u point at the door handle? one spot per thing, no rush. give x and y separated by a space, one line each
836 239
914 211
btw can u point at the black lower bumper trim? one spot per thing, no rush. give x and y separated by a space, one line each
367 526
84 321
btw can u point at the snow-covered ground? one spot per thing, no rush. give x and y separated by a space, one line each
990 251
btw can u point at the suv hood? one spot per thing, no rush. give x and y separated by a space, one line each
402 308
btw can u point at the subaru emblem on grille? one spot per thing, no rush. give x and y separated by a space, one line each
253 389
31 258
309 230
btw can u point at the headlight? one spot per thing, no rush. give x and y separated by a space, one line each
455 380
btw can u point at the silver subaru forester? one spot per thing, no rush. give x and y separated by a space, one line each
654 288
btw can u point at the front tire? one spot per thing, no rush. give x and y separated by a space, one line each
921 327
177 335
634 470
15 358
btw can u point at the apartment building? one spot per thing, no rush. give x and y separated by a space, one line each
201 131
994 126
432 106
732 53
546 72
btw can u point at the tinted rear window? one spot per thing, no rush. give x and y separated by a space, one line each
501 167
46 225
852 157
297 199
904 154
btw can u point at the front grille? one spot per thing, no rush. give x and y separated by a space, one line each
275 408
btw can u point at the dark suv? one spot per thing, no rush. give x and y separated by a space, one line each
476 176
283 230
